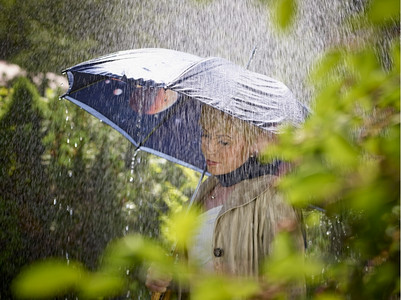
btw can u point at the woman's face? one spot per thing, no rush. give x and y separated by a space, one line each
224 150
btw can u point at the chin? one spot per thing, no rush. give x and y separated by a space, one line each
213 171
216 172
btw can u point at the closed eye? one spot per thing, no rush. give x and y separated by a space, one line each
224 143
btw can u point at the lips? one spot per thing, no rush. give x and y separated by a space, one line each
211 163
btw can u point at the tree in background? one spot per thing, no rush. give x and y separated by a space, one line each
49 35
84 197
23 181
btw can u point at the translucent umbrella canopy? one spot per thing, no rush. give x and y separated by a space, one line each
154 97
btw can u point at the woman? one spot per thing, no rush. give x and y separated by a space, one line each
242 208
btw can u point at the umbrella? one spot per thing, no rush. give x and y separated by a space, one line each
154 97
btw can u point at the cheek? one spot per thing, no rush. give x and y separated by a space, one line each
203 146
240 151
237 156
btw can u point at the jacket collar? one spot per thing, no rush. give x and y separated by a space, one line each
252 168
244 191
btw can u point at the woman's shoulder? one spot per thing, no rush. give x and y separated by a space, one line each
260 185
250 190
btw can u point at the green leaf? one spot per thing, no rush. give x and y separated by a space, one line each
340 152
46 279
313 219
303 189
223 288
101 285
286 264
179 228
328 296
285 13
381 11
131 250
369 198
325 66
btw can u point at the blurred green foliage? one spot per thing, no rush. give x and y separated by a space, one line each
346 160
283 13
47 279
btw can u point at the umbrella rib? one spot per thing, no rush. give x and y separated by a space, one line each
84 87
168 116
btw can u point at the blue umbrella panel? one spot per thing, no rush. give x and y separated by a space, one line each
173 133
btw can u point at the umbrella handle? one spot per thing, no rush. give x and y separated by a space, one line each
161 296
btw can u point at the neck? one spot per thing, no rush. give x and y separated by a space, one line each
250 169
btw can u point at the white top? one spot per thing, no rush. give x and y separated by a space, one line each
201 252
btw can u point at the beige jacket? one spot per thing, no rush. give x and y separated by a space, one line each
247 224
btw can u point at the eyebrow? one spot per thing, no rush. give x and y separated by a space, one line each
219 135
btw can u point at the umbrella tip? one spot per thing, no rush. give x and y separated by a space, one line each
251 57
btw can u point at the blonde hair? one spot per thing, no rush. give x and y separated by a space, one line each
214 118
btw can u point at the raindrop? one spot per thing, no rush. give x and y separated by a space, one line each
127 272
117 92
68 141
54 201
126 228
69 173
328 232
67 118
131 179
76 145
130 205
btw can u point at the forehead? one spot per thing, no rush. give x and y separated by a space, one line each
215 125
219 128
216 122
